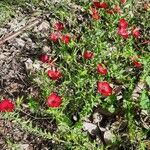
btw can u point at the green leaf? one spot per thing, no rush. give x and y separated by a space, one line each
145 102
148 80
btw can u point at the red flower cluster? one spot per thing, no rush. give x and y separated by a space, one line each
6 105
104 88
54 100
55 36
122 30
88 55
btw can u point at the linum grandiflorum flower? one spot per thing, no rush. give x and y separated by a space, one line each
117 9
44 58
137 64
95 14
54 74
88 55
58 26
104 88
101 69
54 100
6 105
123 1
122 30
146 6
65 39
55 36
136 32
100 5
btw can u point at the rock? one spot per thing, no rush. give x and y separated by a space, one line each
44 26
97 117
20 42
90 127
108 137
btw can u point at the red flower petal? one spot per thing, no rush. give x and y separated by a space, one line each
101 69
58 26
54 74
65 39
104 88
54 100
44 58
6 105
88 55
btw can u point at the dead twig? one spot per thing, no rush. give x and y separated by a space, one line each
15 34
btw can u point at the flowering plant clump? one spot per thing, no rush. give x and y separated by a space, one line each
99 84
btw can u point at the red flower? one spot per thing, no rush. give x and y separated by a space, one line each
136 32
88 55
44 58
6 106
103 5
95 13
117 9
58 26
55 36
146 6
137 64
96 4
54 100
54 74
65 39
104 88
123 1
123 23
100 5
123 32
101 69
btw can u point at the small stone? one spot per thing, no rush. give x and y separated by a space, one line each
108 137
90 127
